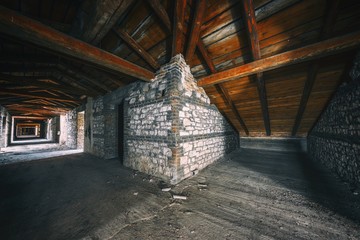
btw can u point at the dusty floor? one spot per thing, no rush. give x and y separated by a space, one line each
252 195
24 153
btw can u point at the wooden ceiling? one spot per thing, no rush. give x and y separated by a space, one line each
270 66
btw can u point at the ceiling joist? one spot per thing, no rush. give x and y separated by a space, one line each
252 32
178 27
313 51
195 29
28 30
326 30
137 48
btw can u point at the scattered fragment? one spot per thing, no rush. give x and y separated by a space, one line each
136 193
166 189
179 197
202 185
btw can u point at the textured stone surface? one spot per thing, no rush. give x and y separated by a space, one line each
5 125
71 128
335 140
172 131
101 124
80 130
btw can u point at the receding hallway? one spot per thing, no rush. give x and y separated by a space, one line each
252 195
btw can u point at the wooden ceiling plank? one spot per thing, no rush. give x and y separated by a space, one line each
272 8
32 81
161 13
77 71
195 29
178 27
326 30
252 32
313 51
71 81
137 48
105 16
28 30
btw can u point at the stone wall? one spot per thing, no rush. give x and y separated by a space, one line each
101 124
5 126
172 131
80 130
71 129
335 140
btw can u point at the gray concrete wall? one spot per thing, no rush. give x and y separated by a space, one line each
335 140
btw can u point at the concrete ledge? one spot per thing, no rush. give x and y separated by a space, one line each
274 144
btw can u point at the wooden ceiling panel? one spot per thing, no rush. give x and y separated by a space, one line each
224 44
300 13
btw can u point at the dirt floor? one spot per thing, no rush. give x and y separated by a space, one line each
251 195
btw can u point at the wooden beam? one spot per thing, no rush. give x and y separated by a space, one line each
252 32
219 88
137 48
107 13
33 81
161 13
78 72
251 26
28 30
178 27
321 49
273 7
37 95
195 29
311 76
231 104
260 83
329 21
206 57
75 82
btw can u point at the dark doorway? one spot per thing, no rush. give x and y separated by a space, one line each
121 125
57 130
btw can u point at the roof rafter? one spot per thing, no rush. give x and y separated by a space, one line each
137 48
107 13
28 30
178 27
251 26
160 12
313 51
37 95
195 29
219 88
326 30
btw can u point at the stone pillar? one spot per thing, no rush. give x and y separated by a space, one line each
172 131
5 127
71 128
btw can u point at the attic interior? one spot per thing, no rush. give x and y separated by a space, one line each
193 119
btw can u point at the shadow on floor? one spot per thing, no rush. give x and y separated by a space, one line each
296 172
